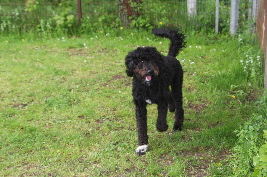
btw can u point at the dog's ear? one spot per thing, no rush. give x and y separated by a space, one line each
129 66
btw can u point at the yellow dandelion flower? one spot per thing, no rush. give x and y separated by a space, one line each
22 40
101 31
160 23
121 28
233 96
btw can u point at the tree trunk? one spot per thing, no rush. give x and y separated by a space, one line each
128 9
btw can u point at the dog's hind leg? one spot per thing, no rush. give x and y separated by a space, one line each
141 120
162 114
179 111
171 102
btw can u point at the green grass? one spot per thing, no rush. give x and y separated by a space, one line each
66 107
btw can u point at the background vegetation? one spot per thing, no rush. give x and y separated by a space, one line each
66 106
60 16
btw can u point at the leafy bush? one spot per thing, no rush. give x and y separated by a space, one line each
249 154
260 160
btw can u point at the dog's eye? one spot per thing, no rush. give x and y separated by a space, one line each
139 63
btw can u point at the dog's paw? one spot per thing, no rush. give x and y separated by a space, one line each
177 128
141 150
162 127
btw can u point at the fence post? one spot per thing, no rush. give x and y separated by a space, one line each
191 7
254 10
252 14
250 17
234 17
79 4
217 16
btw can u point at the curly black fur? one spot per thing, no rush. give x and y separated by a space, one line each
153 76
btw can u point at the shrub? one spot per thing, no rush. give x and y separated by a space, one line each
260 160
249 154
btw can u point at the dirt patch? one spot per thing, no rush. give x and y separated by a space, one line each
203 158
76 51
103 50
197 107
106 51
252 95
19 105
118 77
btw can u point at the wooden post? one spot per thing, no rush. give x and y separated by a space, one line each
79 3
264 46
265 70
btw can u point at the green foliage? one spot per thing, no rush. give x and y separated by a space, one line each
56 17
11 23
31 5
260 160
140 22
249 154
103 23
64 20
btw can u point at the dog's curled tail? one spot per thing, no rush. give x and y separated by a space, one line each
177 39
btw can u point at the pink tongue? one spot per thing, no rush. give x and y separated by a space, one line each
148 78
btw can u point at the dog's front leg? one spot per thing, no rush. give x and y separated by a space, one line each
141 120
162 114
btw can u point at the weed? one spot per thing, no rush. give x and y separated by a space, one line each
249 151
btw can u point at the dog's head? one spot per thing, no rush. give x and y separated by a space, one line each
144 64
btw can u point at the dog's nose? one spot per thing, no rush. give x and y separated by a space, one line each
150 72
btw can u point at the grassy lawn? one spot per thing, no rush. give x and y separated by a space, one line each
66 107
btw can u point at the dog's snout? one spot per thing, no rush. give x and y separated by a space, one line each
150 72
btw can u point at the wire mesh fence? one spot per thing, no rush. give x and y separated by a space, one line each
190 15
187 14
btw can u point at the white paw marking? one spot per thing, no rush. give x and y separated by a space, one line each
148 101
141 149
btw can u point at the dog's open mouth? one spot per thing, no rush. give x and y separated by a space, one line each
148 78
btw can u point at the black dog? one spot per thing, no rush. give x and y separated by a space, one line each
153 75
